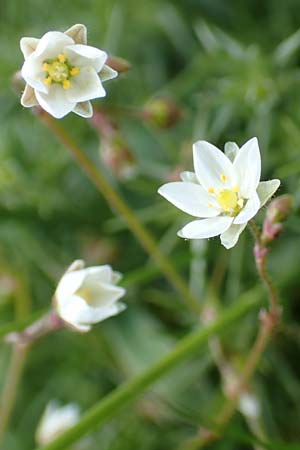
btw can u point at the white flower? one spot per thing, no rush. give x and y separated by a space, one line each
62 73
55 421
224 192
87 296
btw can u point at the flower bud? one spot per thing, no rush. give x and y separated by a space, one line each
121 65
162 112
55 421
277 212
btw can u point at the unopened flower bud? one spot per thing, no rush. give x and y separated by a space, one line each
277 212
162 112
117 156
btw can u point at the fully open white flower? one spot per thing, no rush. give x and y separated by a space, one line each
87 296
55 421
224 193
62 73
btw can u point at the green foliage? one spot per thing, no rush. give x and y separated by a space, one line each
234 70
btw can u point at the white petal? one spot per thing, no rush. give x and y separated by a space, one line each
78 33
69 284
249 211
85 55
28 98
33 74
102 294
85 86
247 165
210 163
99 273
72 310
190 198
190 177
231 150
55 102
107 73
205 228
99 314
266 189
84 109
230 237
28 45
52 44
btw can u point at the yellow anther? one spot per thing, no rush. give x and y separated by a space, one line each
46 67
66 84
74 71
236 189
211 190
223 177
48 81
62 58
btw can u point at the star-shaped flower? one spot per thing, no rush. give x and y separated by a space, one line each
62 73
224 193
86 296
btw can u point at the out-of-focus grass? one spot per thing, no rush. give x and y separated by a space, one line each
226 66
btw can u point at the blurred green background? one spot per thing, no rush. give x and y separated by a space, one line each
233 70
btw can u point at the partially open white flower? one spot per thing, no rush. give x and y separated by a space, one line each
87 296
225 191
62 73
55 421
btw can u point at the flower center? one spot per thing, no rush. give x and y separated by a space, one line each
229 201
59 71
85 294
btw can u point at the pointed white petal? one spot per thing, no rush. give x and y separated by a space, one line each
78 33
55 102
52 44
99 273
190 198
205 228
33 74
266 189
28 98
231 150
247 165
102 313
210 165
28 45
190 177
83 55
230 237
84 109
104 294
72 309
69 284
85 86
107 73
251 208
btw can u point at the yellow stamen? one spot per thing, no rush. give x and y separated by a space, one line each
223 177
62 58
46 67
66 84
236 189
211 190
74 71
48 81
240 202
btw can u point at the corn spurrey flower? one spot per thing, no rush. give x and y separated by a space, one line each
63 73
224 192
85 296
55 421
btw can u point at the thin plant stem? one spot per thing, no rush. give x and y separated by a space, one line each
13 378
129 391
118 204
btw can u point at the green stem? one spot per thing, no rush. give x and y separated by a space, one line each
115 401
117 203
